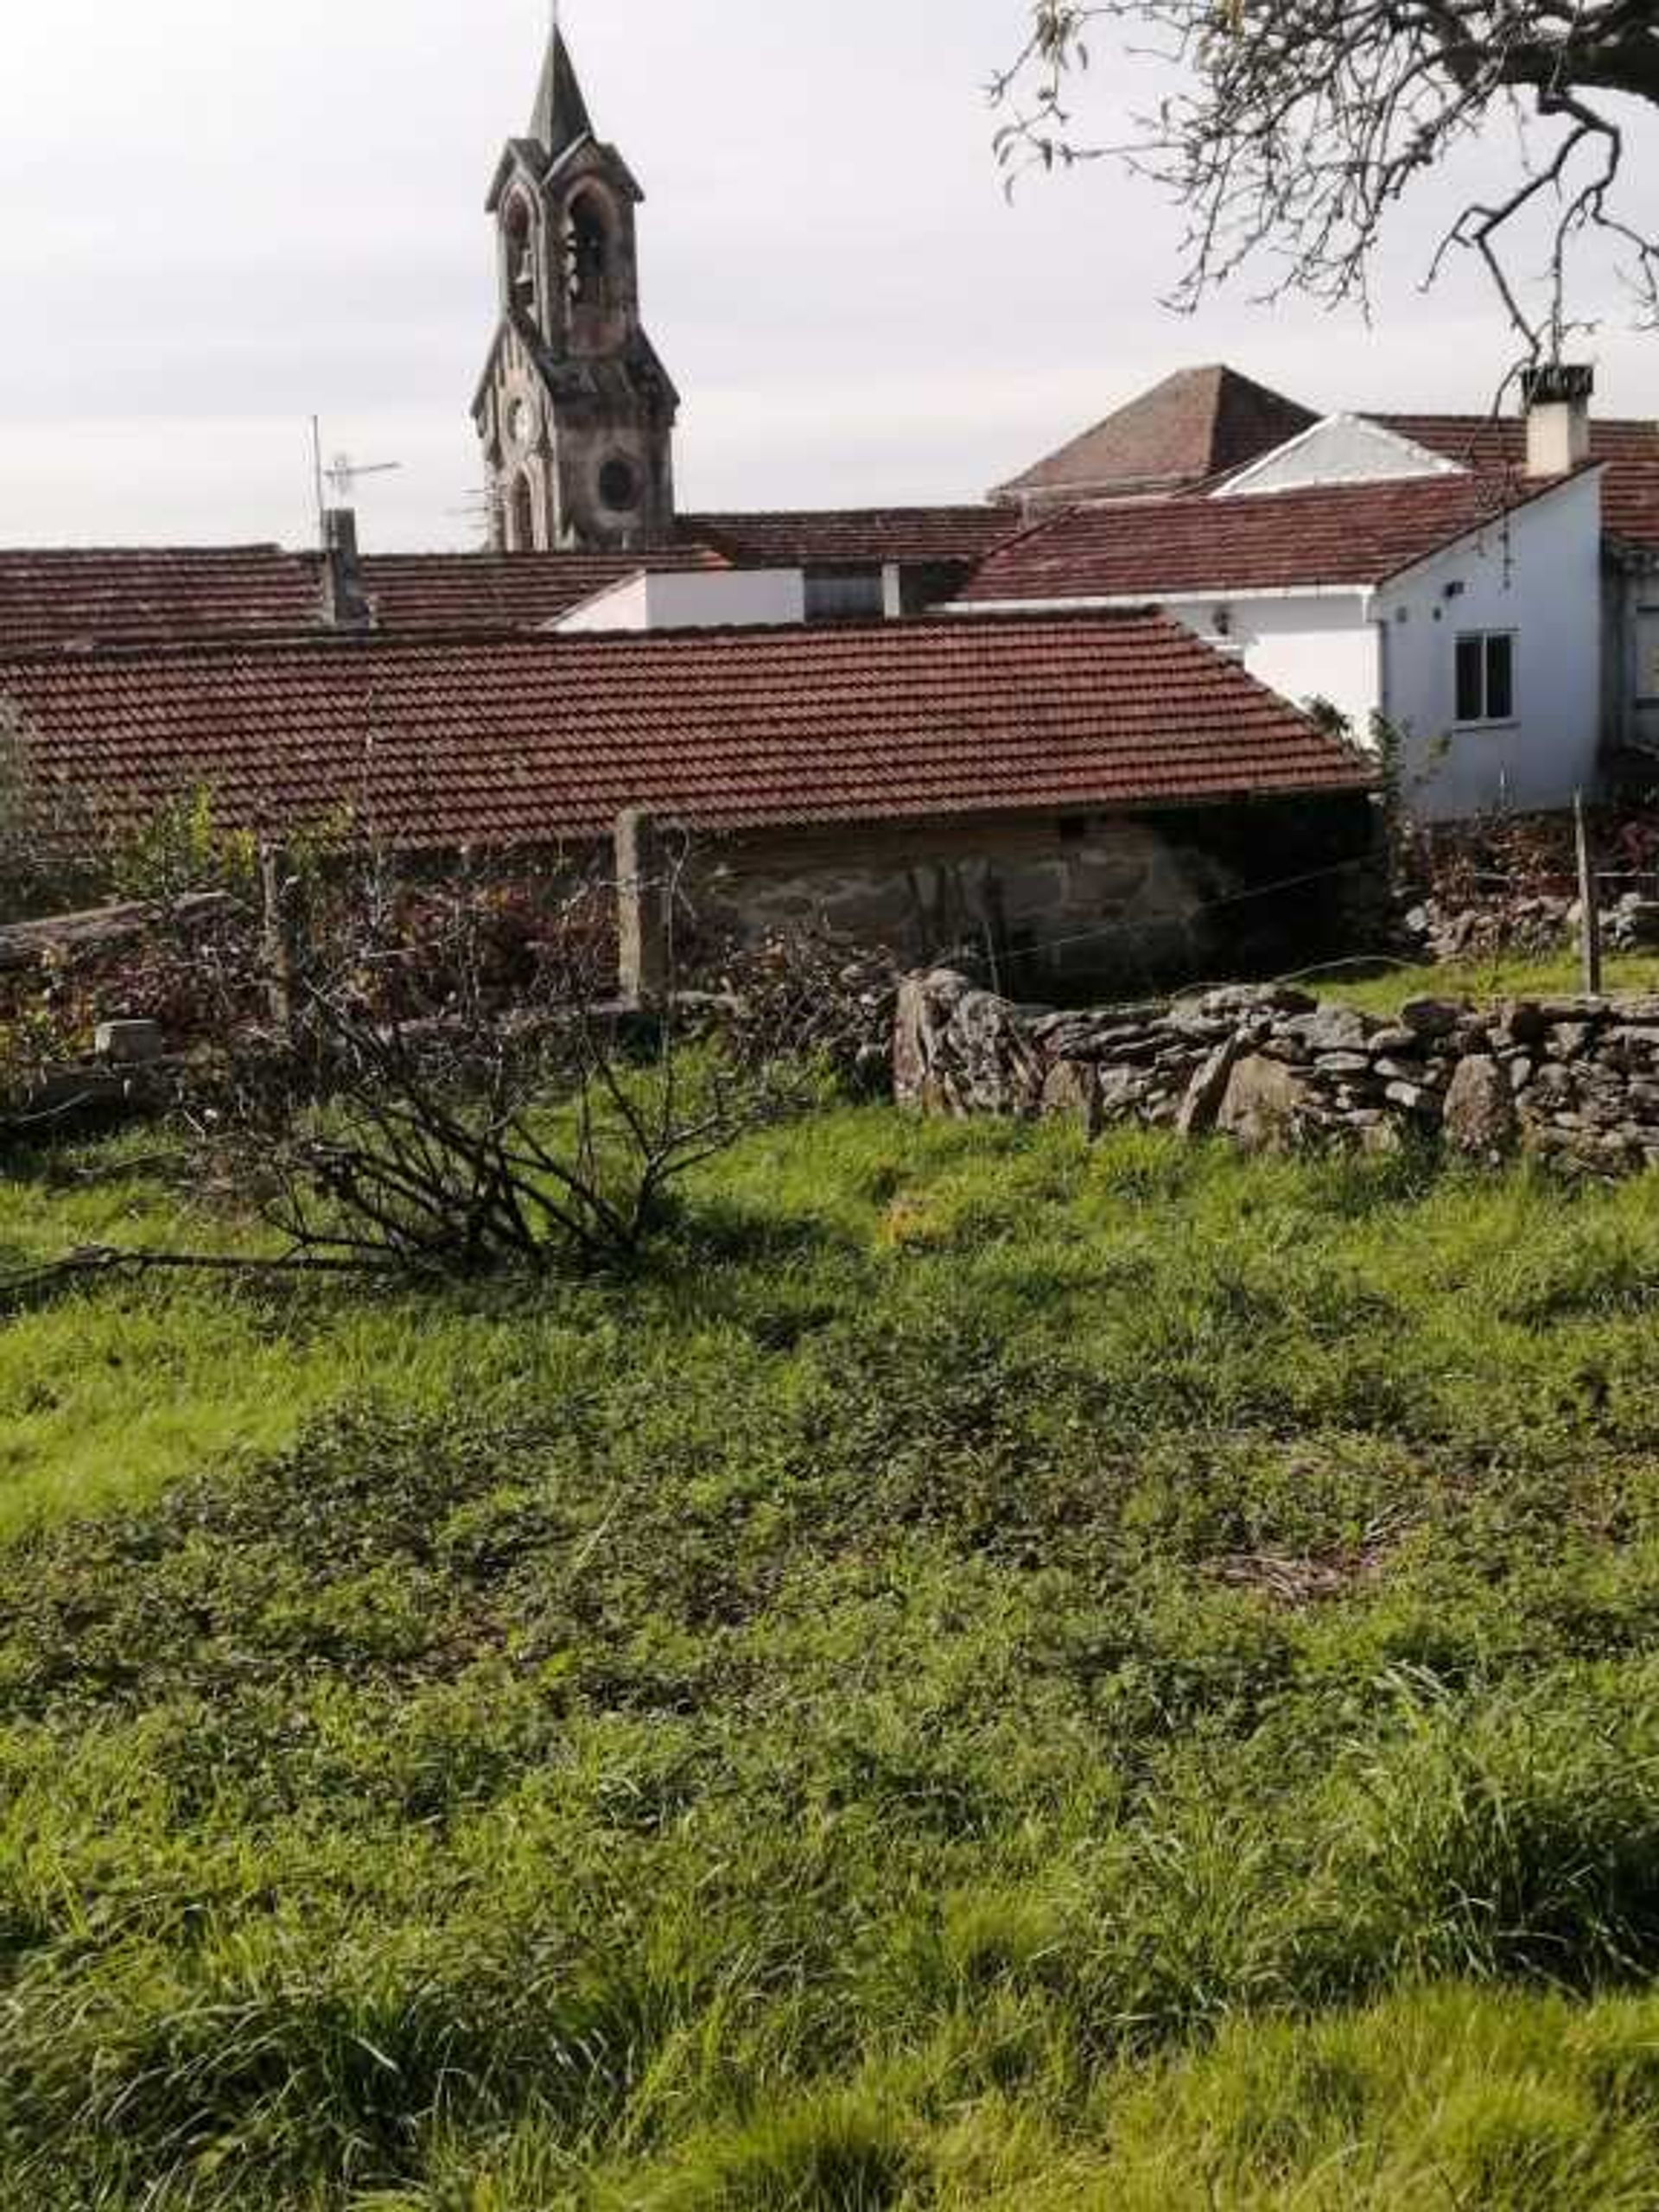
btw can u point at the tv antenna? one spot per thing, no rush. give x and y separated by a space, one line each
342 474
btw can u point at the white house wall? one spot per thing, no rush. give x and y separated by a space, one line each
1305 648
693 600
1537 576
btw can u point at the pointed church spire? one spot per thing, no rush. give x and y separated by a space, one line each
561 117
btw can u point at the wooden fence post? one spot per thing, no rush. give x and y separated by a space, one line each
643 900
282 938
1589 902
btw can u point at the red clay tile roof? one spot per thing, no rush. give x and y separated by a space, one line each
1629 486
852 537
503 591
144 596
533 741
1356 535
133 594
1195 425
140 596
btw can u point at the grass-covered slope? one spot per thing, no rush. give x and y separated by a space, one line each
1002 1676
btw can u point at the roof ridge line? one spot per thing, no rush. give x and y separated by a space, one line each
323 639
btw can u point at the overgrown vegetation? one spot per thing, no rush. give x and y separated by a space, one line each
48 843
423 1076
988 1675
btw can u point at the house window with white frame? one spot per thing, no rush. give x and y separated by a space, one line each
1486 678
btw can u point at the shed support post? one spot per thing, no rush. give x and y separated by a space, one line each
644 910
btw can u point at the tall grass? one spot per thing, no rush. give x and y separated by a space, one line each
993 1675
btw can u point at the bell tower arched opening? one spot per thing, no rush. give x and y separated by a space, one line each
518 249
521 515
589 255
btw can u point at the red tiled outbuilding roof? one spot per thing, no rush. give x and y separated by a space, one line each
119 596
536 740
1354 535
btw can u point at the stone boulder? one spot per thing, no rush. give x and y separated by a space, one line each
1431 1018
960 1051
1072 1093
1264 1105
1479 1118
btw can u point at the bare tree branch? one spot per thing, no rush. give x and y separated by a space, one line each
1301 125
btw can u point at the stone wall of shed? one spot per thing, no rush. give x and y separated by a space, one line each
1066 902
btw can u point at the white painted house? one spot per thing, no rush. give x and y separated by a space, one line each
1456 605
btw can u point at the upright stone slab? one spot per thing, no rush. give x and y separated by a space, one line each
1207 1090
1263 1106
1479 1118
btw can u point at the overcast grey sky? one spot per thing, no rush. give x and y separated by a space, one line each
215 218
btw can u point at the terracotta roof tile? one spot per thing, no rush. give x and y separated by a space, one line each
852 537
1195 425
1357 535
1629 487
538 739
143 596
503 591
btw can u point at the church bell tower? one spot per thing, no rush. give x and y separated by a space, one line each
576 412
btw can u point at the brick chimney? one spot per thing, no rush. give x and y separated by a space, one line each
345 603
1557 400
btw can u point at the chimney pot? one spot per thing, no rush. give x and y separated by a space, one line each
1557 397
345 603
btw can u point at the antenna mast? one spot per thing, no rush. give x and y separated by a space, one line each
316 478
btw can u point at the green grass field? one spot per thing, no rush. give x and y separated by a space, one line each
993 1676
1482 980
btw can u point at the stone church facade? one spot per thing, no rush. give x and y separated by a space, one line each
576 412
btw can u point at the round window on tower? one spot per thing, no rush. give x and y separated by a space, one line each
619 485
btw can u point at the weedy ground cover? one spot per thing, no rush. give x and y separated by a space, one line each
987 1674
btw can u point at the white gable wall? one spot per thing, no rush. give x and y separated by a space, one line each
1538 577
1306 646
1342 449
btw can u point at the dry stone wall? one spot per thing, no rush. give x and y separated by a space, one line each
1571 1080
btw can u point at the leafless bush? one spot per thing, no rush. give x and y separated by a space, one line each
813 1001
431 1113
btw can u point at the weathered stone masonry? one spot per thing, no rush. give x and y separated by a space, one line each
1088 903
1575 1081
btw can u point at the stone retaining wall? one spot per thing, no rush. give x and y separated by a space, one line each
1575 1080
